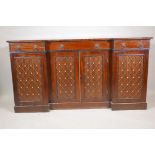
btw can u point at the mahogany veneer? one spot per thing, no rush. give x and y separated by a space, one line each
79 73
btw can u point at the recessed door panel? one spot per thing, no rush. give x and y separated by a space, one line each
29 79
94 76
129 76
65 76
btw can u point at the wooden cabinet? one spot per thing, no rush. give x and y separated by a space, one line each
88 73
129 73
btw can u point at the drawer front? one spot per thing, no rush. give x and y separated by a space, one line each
27 47
136 44
78 45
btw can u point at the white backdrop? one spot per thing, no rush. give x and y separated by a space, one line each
19 33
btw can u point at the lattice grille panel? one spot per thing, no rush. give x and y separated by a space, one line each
65 74
93 73
28 76
131 76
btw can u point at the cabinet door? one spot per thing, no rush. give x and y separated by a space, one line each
129 76
29 79
65 76
94 70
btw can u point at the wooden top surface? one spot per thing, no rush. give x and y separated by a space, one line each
93 39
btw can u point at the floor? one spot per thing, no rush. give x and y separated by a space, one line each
89 118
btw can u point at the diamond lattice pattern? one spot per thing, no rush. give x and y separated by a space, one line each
65 74
93 73
28 76
131 76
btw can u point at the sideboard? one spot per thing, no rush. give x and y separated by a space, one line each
79 73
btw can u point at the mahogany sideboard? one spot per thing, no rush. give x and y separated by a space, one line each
79 73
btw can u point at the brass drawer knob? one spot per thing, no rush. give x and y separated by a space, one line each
18 47
97 45
123 45
61 47
35 47
140 44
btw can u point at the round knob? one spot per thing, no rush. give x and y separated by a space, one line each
97 45
123 45
61 46
18 47
140 44
35 47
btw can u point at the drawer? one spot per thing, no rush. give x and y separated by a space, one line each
125 44
27 47
78 45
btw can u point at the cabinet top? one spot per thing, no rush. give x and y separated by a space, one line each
93 39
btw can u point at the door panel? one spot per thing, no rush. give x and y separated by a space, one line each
94 72
29 79
129 71
65 76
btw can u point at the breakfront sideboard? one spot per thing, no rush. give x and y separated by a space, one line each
79 73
